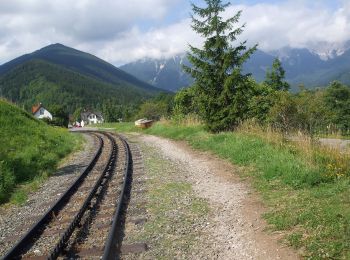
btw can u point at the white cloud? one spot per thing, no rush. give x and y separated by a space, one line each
123 31
295 25
156 43
35 23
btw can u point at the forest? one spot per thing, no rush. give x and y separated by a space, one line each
62 89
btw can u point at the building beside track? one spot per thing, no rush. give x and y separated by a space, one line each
91 117
40 112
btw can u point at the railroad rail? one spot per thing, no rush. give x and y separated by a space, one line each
72 226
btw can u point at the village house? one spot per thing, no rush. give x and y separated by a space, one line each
89 117
40 112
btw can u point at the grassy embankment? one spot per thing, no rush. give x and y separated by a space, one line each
29 151
305 186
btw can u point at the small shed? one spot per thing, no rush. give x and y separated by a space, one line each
143 123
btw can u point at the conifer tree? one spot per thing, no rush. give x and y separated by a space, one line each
275 78
221 87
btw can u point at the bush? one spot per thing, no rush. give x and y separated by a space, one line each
283 114
153 110
59 116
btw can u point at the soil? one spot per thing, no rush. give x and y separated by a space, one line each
235 227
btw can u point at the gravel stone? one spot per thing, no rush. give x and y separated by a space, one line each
16 220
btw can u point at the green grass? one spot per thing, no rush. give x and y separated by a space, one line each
173 211
121 127
312 208
29 151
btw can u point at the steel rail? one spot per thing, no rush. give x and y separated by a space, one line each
36 230
111 247
106 174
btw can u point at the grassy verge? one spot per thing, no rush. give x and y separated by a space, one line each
29 151
306 187
173 211
122 127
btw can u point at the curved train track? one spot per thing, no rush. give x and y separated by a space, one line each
86 221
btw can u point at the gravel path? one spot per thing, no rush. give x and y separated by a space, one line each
16 220
342 145
234 228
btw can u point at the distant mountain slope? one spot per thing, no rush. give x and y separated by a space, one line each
302 66
81 62
258 64
59 75
40 81
166 74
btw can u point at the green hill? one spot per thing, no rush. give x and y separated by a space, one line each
39 81
59 75
81 62
28 148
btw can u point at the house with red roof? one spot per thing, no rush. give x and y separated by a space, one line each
40 112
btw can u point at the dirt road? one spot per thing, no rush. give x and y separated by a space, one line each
235 229
343 145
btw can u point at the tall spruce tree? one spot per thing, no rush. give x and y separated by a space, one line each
275 78
222 90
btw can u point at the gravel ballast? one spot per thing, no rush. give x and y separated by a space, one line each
16 220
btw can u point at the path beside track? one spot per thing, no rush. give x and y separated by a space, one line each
341 144
232 228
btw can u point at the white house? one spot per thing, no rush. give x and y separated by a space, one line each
91 118
40 112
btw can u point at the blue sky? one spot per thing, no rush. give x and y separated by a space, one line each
122 31
183 9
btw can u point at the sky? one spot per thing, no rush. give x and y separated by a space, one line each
122 31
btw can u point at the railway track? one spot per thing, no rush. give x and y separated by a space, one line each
87 220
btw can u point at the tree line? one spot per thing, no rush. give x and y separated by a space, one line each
223 97
64 92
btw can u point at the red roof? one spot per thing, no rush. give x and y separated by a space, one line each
35 108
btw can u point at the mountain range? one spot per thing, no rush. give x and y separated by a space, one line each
60 75
303 66
162 73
